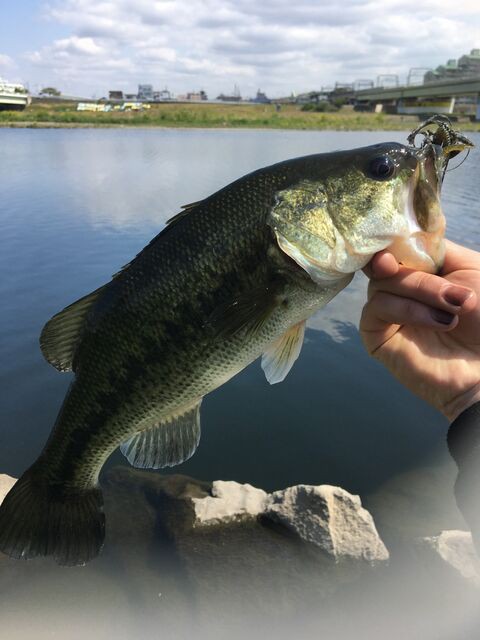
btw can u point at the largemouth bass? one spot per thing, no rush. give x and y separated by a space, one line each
230 278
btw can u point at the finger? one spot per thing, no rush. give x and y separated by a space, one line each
458 257
428 289
385 313
382 265
386 308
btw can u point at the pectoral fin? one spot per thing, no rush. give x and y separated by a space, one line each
279 359
167 443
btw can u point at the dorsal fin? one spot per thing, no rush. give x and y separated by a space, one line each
60 336
186 209
166 443
190 205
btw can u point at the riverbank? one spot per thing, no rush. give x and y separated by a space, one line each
65 115
248 575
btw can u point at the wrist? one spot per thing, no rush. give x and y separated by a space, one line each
462 402
463 441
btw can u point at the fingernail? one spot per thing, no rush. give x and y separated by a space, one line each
442 317
457 295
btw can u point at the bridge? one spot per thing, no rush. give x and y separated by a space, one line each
404 97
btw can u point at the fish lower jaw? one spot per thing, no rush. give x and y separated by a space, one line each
414 252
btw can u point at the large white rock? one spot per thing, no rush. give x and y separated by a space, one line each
6 483
456 549
330 518
229 501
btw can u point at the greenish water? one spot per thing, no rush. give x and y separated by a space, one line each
75 205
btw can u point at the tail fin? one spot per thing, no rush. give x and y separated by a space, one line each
37 520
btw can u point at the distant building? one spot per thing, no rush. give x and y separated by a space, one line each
130 96
261 98
443 72
466 67
235 97
470 64
225 98
145 92
115 95
312 97
160 96
197 97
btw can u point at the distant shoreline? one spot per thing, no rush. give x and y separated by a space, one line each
211 116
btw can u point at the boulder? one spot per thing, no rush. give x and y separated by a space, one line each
229 501
455 549
6 483
330 518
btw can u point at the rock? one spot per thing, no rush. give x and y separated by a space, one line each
330 518
456 549
229 501
6 483
158 570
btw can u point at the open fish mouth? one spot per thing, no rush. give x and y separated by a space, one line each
423 247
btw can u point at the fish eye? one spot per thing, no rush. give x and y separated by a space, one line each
381 168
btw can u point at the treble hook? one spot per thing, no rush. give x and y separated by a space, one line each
450 141
445 136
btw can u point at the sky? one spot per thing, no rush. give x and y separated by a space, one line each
88 47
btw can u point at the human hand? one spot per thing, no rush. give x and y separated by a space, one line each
426 328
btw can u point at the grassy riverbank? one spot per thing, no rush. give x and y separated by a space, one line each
208 115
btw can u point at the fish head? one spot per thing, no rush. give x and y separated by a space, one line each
346 206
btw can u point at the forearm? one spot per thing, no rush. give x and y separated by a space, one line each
464 445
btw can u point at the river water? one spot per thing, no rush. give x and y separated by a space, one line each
75 205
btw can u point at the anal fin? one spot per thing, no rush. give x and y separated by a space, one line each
280 356
167 443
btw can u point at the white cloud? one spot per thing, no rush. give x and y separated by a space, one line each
79 46
5 61
277 45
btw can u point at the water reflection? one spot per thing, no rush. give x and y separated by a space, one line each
140 178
